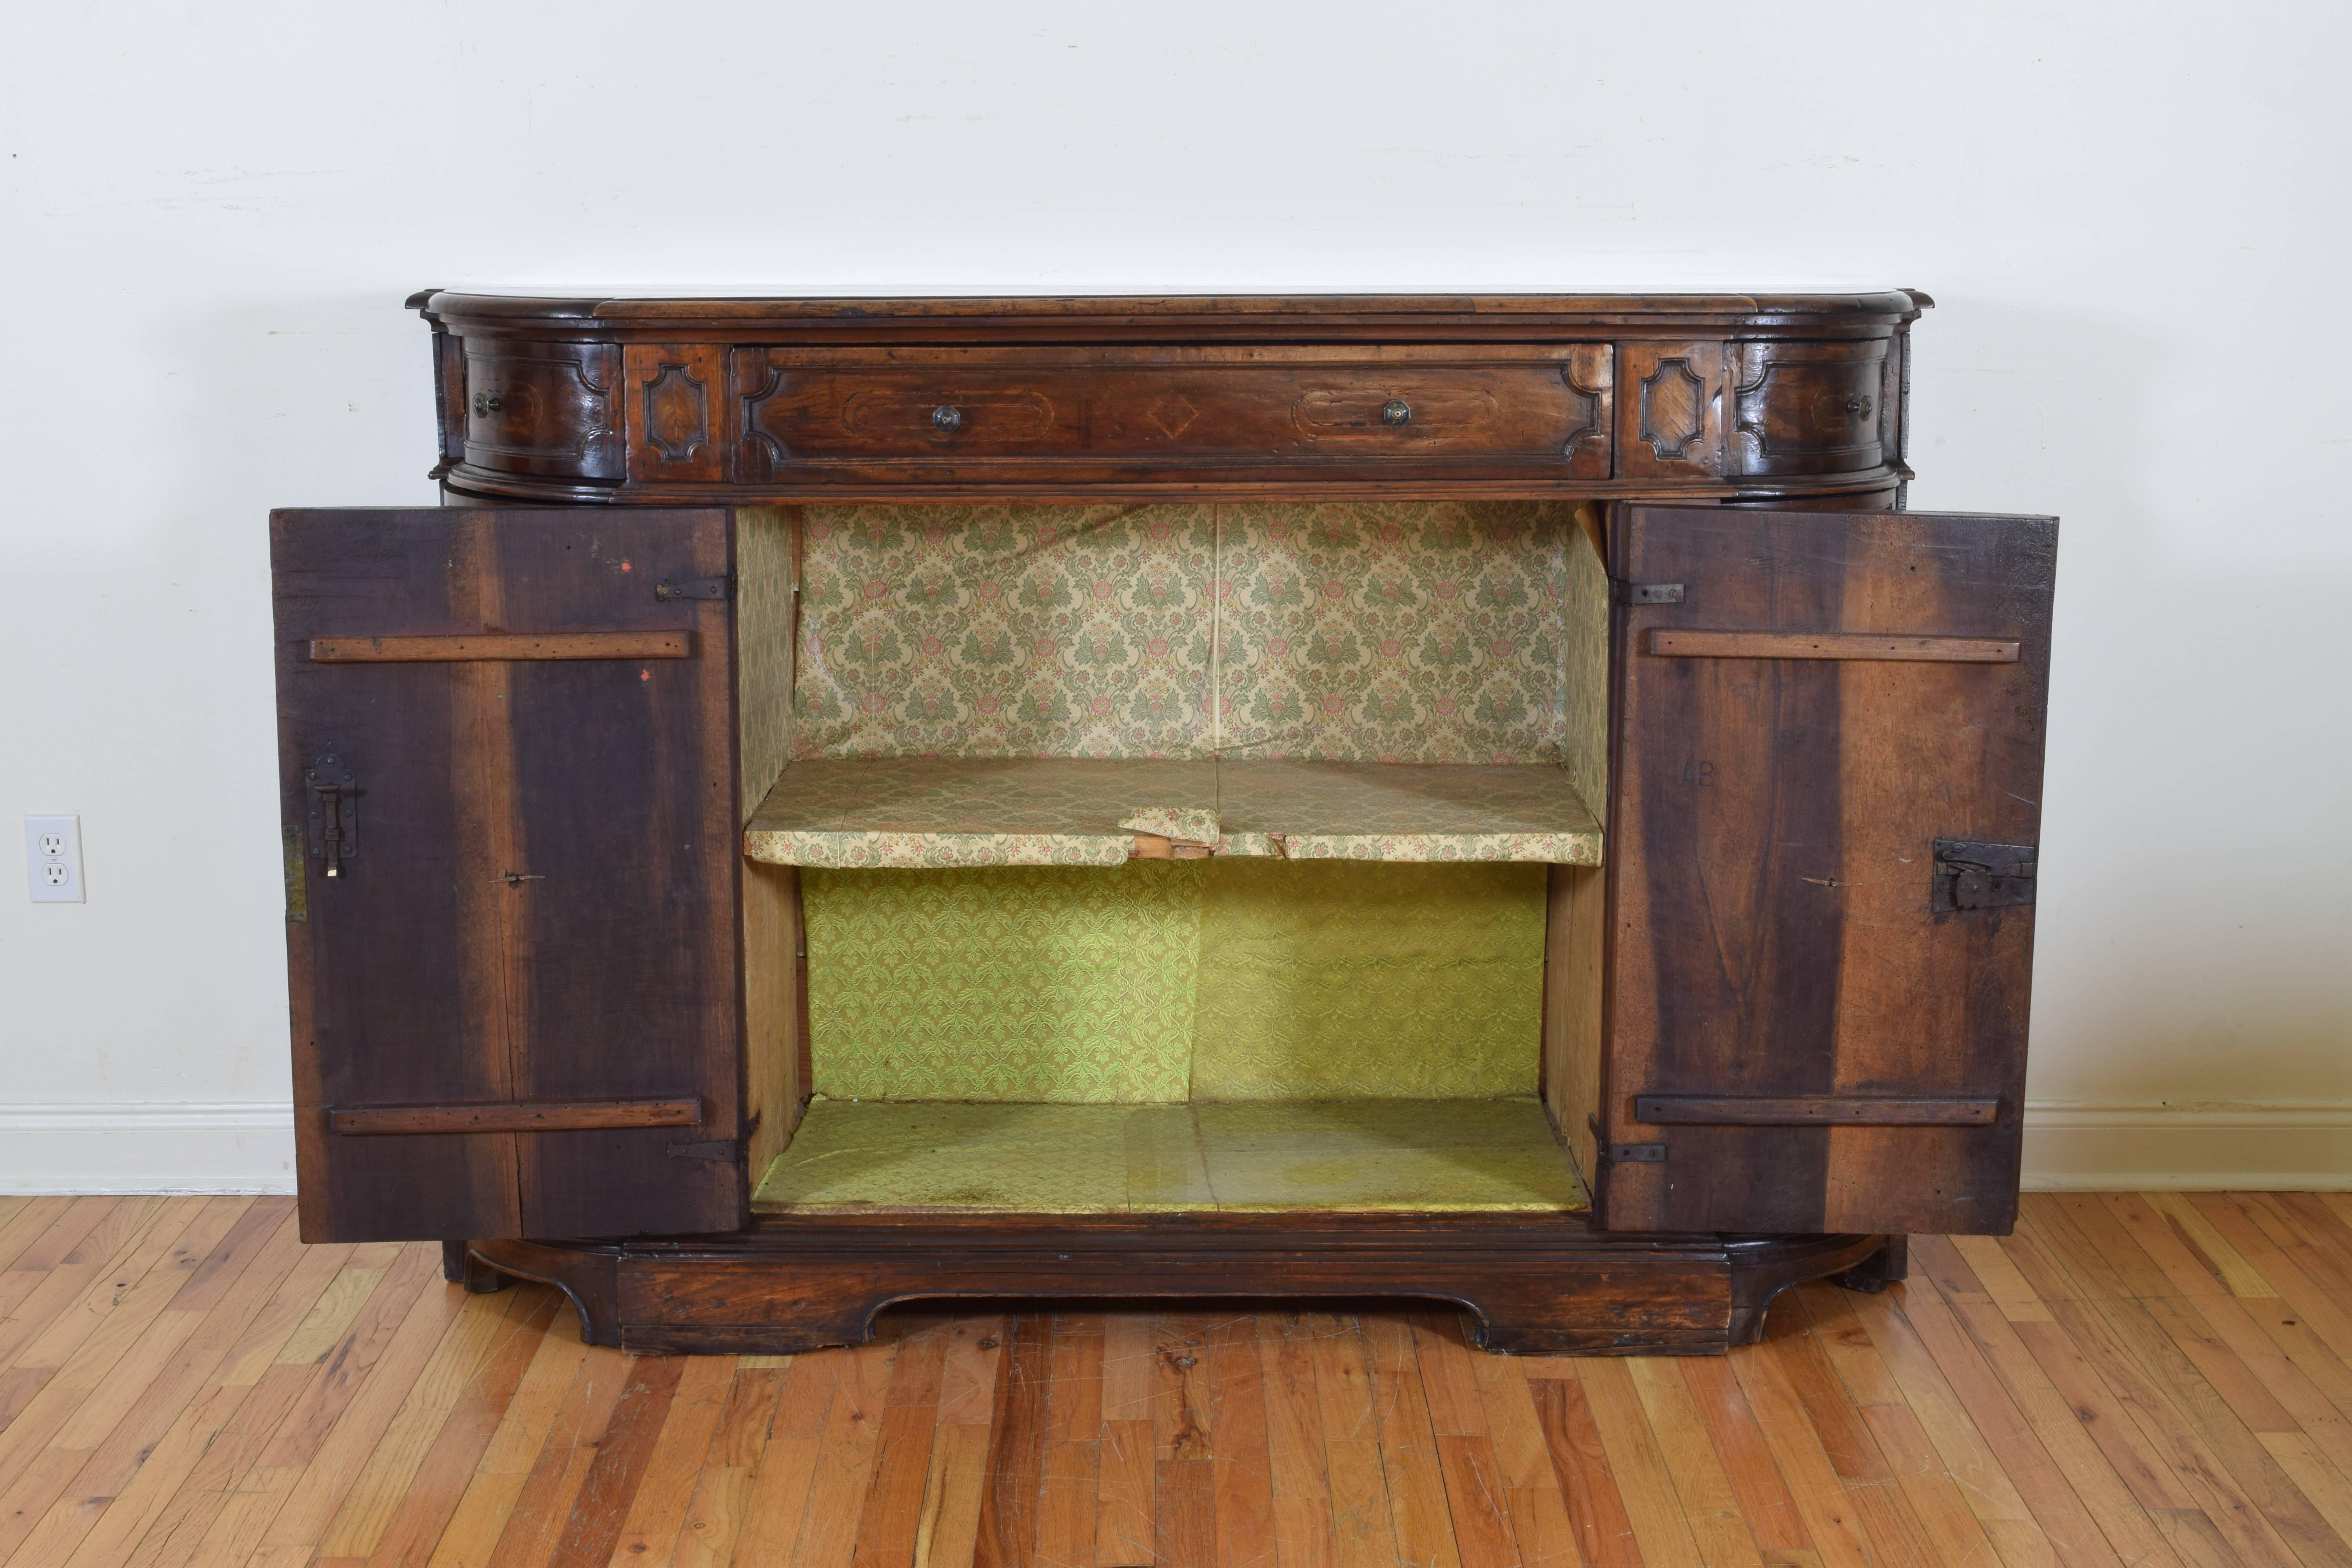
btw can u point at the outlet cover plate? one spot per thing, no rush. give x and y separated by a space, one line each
53 859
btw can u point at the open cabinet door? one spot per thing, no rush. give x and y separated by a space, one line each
1827 745
507 756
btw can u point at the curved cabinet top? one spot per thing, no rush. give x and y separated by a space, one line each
1317 396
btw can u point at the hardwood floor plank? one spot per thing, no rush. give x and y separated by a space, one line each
2159 1379
1838 1531
483 1326
844 1456
471 1538
901 1465
1015 1468
1449 1378
778 1505
2219 1431
1581 1472
2219 1495
2004 1411
624 1452
1241 1463
2321 1293
714 1515
1749 1467
1184 1523
1303 1533
1416 1481
155 1502
967 1377
1363 1526
1710 1508
25 1223
656 1512
1477 1503
1074 1402
948 1533
221 1304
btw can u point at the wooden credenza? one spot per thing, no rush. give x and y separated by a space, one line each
740 610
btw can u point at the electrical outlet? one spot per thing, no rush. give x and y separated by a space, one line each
53 859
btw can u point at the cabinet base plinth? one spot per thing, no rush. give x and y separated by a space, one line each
1553 1286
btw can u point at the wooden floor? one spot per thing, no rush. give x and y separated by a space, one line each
2130 1379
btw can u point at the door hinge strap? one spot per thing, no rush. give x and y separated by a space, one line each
724 1152
1625 593
670 588
1815 1111
1610 1153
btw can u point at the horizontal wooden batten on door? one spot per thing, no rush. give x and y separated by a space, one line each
1831 645
1809 1110
477 647
516 1116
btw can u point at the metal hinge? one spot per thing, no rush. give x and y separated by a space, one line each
694 588
1610 1153
1626 592
1974 875
724 1152
333 821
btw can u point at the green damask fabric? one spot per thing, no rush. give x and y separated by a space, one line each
1327 979
1473 1155
1036 983
1160 981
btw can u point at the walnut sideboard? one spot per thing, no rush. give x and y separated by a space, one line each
855 800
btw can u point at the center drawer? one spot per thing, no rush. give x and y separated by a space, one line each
1144 413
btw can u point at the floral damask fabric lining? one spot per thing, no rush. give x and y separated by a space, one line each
1391 632
1462 634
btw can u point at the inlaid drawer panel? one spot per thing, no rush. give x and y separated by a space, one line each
1542 409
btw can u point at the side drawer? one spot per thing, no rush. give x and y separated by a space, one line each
1809 408
1136 413
544 408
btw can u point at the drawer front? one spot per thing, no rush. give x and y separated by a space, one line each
543 409
1809 408
1150 411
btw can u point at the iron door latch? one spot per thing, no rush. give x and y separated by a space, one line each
720 1151
1973 874
693 588
335 813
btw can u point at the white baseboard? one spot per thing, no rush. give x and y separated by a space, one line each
152 1146
2244 1145
2070 1146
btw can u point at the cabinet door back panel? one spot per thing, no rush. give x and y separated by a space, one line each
536 924
1777 953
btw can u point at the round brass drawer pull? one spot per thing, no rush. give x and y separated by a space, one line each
487 404
1396 411
947 418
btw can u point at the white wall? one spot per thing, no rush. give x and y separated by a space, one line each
2131 214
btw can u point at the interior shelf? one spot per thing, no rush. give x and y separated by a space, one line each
1060 811
1405 1155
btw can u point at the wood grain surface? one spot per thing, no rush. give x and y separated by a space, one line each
540 902
2154 1379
